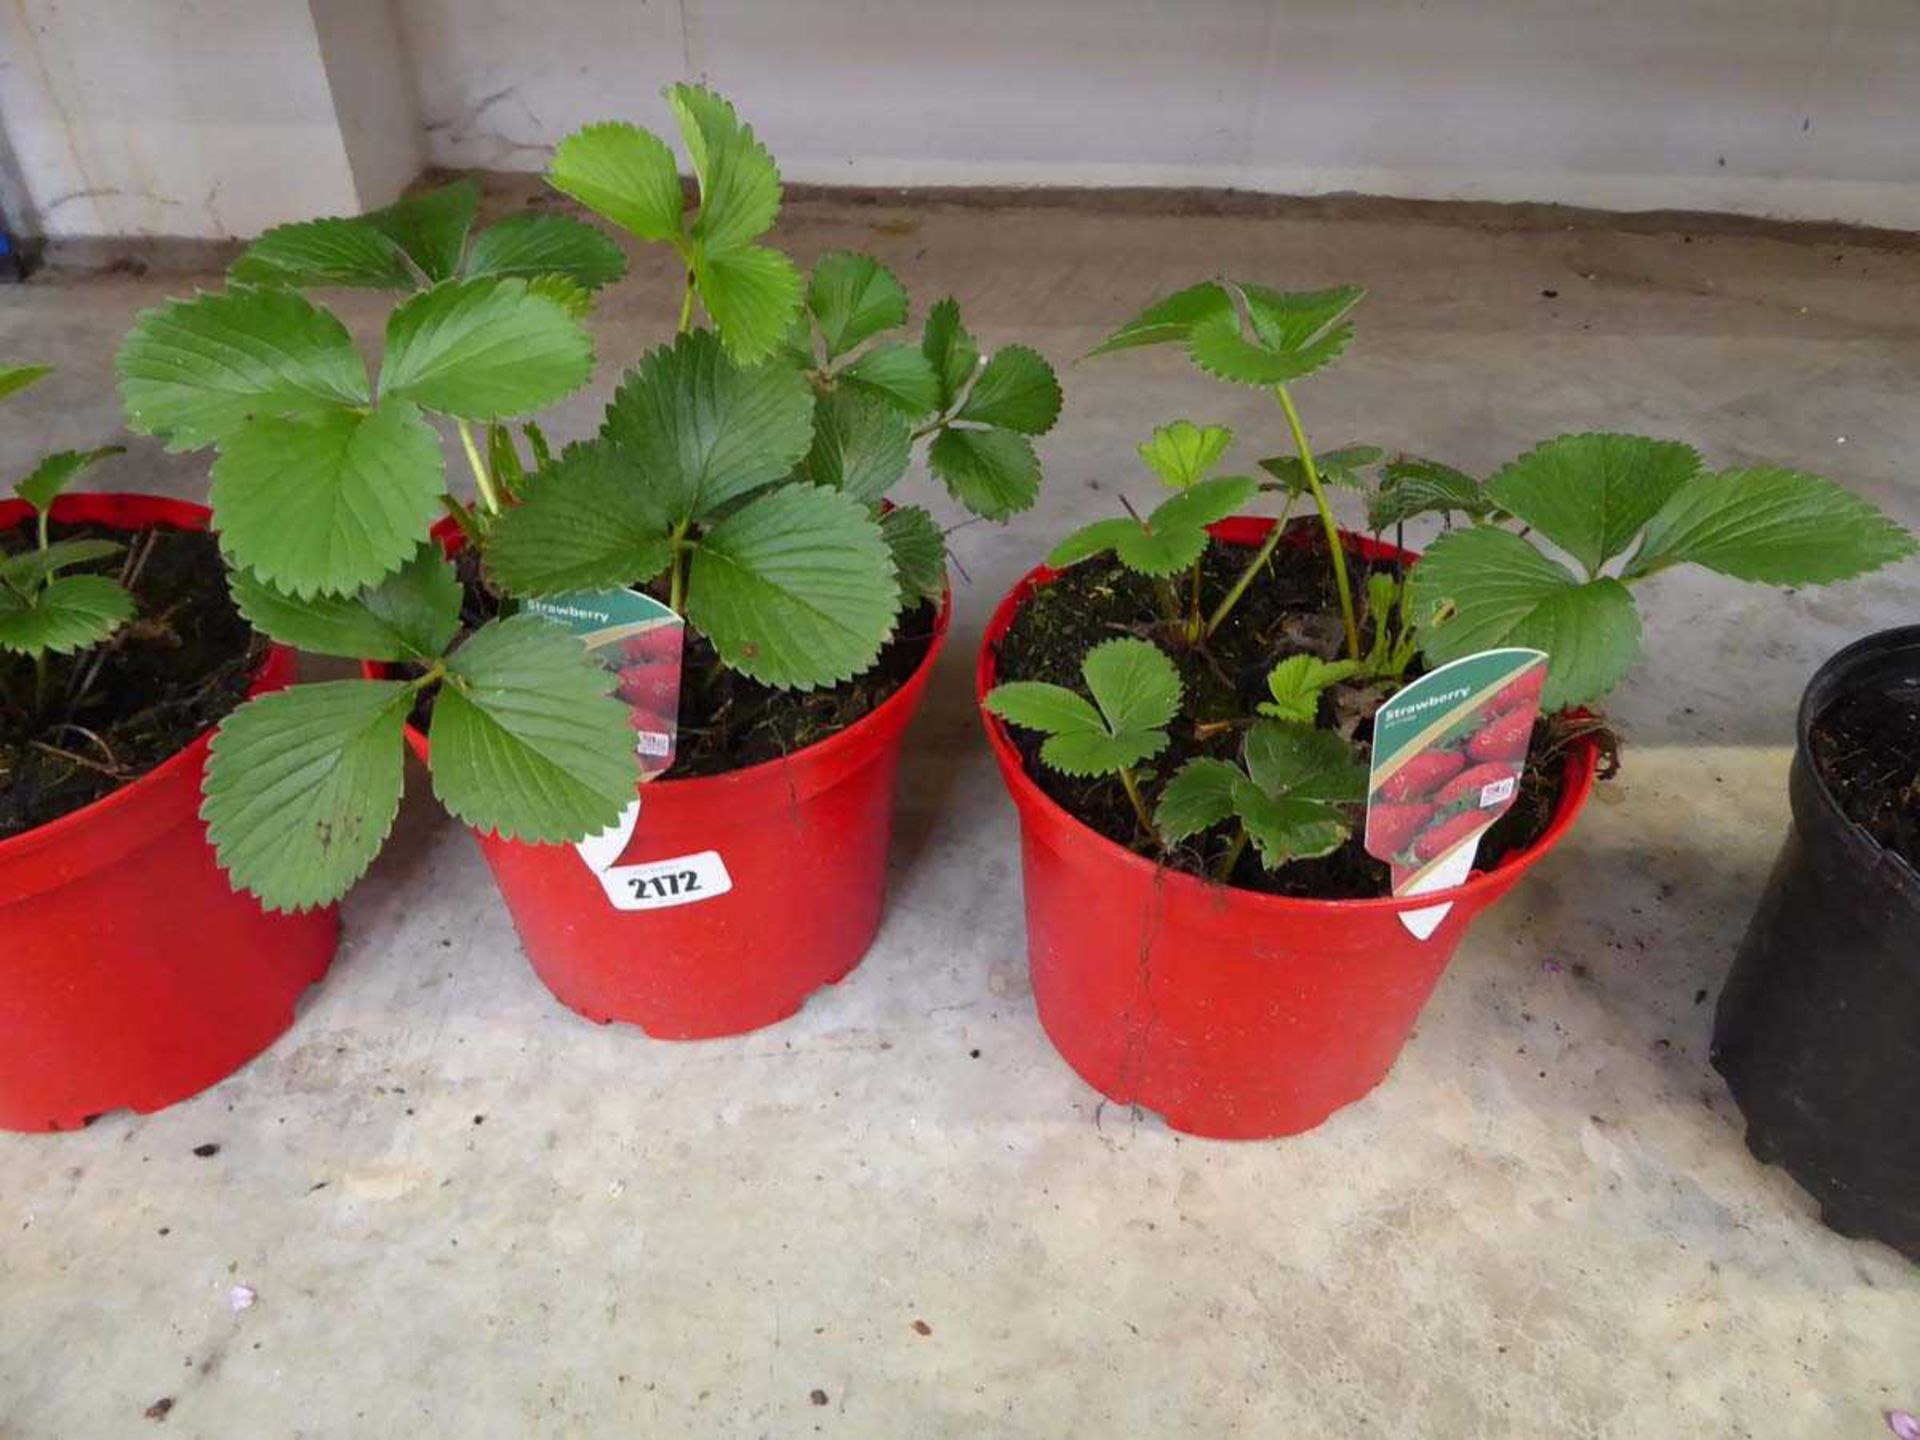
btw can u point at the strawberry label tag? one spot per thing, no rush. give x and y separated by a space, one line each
639 639
1448 750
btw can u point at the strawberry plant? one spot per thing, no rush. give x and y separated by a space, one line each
43 611
741 472
747 467
1136 693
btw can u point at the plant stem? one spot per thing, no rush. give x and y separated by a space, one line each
1238 848
1327 521
1169 602
1194 629
462 517
489 496
39 682
1221 611
677 571
686 307
1133 794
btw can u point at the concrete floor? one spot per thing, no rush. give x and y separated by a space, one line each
468 1213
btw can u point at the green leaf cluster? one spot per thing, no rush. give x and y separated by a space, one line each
1245 333
430 238
1289 793
630 177
1136 693
44 611
325 482
303 784
1621 508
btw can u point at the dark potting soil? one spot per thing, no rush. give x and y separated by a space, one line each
1291 608
1866 748
727 721
115 712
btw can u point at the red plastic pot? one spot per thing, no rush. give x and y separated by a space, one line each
1233 1014
803 842
132 975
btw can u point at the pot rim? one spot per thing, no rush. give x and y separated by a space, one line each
110 507
1827 684
1581 764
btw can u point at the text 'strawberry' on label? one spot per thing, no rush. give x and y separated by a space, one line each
1448 750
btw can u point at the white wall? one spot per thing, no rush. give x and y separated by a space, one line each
1798 108
202 118
216 118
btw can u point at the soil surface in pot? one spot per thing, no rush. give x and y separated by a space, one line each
1866 747
1290 608
115 712
727 721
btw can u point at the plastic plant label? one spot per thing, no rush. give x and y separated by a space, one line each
1448 750
639 639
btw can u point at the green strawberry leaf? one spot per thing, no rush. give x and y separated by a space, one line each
1294 334
1335 467
1198 797
700 431
59 470
796 588
1592 494
1287 828
1183 452
1137 691
860 444
1134 683
899 374
15 378
753 294
588 522
328 503
432 227
623 174
346 252
994 473
25 571
1297 683
1411 487
1095 539
1775 526
1052 709
1172 318
413 614
739 183
194 371
1482 588
70 613
531 246
484 350
1016 391
1301 762
950 350
528 741
919 552
302 787
853 298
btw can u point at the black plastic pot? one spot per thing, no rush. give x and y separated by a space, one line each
1818 1029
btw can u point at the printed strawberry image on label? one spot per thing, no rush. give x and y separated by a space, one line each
1448 750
